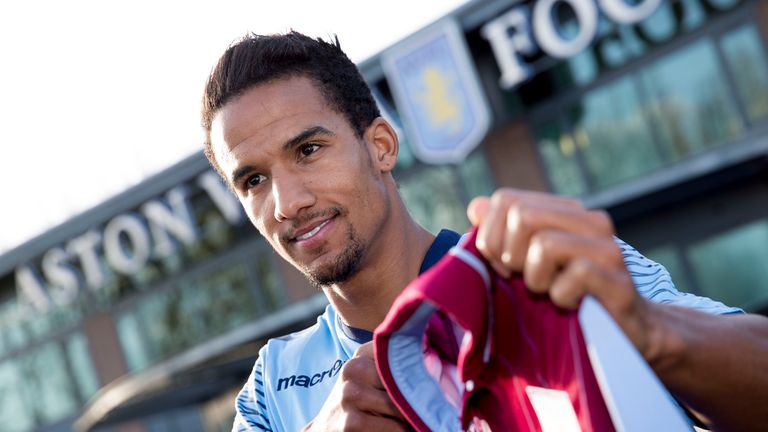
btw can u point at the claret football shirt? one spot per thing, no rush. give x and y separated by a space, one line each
520 363
294 374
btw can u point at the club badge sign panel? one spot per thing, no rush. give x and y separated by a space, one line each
439 97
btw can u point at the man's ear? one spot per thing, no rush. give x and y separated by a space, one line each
384 142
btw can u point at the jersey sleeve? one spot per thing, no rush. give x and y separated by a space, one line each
251 412
653 282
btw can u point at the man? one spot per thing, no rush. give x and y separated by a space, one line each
292 128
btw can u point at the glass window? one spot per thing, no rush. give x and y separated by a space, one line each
268 281
47 390
434 200
20 326
733 266
611 131
695 14
661 26
558 152
132 341
82 366
476 176
15 415
13 337
583 67
671 109
746 59
217 302
690 104
167 322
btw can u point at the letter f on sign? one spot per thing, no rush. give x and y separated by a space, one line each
510 35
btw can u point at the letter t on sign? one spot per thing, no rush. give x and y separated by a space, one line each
510 35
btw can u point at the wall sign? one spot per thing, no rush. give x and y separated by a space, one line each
523 30
126 243
438 95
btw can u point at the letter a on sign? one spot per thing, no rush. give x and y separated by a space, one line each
437 92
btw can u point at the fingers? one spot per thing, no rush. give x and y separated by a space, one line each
551 251
358 401
375 402
568 266
363 389
559 246
477 209
613 289
362 368
525 221
582 275
509 219
365 350
357 421
562 249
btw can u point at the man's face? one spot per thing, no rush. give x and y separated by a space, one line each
306 181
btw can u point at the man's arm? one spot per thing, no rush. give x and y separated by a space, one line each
717 365
250 406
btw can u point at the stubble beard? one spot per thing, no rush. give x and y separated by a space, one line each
346 264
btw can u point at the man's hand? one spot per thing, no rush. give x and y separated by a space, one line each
562 249
709 362
358 401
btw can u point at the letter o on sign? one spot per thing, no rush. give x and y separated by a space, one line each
126 261
546 31
623 13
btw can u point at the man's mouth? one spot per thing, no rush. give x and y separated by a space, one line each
312 232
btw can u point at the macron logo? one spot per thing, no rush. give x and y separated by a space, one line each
307 381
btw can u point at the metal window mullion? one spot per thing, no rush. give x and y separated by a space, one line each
70 372
682 249
255 285
730 82
568 127
644 101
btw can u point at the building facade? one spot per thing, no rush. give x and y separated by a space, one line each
146 312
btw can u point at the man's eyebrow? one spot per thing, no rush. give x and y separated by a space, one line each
300 138
240 173
305 135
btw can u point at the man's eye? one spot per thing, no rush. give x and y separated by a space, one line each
308 149
254 180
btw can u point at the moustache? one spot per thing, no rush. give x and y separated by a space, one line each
295 224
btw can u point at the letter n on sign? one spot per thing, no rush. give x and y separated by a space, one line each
437 92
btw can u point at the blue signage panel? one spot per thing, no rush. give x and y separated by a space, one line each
437 93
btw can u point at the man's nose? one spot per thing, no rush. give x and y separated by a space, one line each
291 195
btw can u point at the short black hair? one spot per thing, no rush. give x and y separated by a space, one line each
259 59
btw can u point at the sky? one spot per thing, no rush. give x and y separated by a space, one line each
98 95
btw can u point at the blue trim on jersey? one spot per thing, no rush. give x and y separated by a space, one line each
358 335
444 241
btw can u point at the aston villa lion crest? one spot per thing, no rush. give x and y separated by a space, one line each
437 93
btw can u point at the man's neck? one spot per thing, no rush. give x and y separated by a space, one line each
364 300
